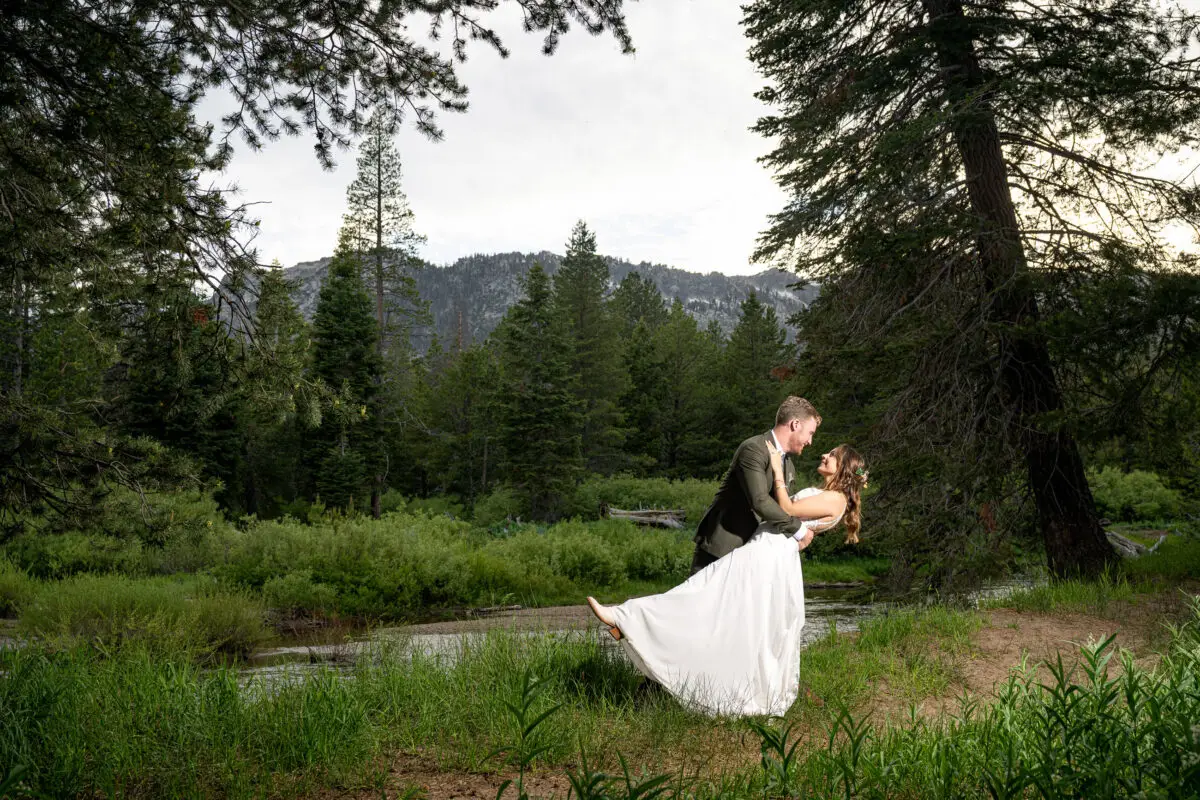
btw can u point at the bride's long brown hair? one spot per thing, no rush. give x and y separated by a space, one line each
850 479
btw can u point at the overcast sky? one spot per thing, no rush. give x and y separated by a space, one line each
652 150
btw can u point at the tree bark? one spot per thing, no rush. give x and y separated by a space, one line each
1075 542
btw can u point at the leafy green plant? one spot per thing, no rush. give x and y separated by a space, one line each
778 759
1127 496
527 747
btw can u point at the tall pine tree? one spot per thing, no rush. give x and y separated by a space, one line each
540 414
637 299
379 228
979 159
755 357
278 400
346 455
581 298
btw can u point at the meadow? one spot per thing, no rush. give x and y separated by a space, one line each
130 680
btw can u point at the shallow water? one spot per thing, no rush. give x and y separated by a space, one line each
290 662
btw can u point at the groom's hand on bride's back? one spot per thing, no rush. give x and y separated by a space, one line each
805 541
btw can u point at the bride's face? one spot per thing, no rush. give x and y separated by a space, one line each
828 465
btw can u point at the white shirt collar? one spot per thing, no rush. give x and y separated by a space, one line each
778 446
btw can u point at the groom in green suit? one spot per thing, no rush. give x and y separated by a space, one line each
744 500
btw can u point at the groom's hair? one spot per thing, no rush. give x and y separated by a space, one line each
796 408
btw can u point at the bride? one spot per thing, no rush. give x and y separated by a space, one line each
727 640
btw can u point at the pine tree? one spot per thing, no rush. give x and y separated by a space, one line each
465 419
541 417
976 160
279 403
642 405
346 454
689 361
178 382
110 191
581 298
756 352
637 300
379 228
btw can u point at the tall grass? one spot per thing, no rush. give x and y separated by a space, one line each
162 614
1094 596
16 588
136 725
691 495
1175 561
403 564
910 654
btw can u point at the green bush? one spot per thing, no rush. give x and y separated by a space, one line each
587 559
1127 496
16 588
165 615
691 495
403 563
500 506
296 592
61 555
658 557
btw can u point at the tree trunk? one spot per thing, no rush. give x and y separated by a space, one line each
21 318
1075 542
379 249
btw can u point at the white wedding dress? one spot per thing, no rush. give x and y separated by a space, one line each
727 640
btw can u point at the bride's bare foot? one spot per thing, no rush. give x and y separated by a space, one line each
602 615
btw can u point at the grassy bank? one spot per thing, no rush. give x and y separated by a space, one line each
400 567
134 724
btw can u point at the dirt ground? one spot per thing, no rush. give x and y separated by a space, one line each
1006 640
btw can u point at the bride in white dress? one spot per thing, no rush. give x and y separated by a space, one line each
727 640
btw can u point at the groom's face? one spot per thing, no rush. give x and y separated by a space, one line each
801 436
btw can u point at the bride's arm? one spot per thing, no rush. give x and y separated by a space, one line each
825 504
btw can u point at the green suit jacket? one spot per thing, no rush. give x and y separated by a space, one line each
744 500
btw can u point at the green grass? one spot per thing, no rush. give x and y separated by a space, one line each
1094 596
139 724
16 588
162 614
136 725
908 653
847 569
1176 561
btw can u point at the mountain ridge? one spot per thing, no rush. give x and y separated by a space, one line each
469 297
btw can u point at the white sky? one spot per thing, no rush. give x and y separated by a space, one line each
653 150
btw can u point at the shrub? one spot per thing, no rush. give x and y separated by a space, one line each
1125 497
442 505
691 495
296 592
499 506
658 557
61 555
587 559
16 588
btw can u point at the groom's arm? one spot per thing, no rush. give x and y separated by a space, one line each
754 473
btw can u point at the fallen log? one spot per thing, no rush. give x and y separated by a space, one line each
656 517
1129 548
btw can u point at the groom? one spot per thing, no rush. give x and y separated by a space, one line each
744 499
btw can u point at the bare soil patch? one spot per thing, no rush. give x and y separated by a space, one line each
1007 640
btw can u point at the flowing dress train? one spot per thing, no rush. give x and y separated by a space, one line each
727 640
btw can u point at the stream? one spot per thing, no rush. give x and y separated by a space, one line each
291 658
